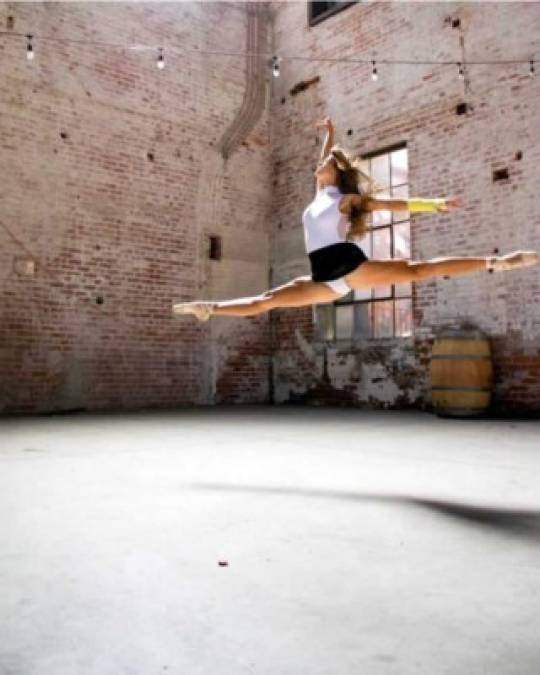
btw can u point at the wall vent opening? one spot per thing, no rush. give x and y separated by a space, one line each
215 247
500 174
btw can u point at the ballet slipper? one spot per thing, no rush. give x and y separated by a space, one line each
202 310
513 260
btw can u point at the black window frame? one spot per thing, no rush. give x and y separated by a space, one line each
330 11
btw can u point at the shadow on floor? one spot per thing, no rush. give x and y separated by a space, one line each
523 523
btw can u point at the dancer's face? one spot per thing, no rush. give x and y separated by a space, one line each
327 171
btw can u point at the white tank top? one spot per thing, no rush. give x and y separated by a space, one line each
324 224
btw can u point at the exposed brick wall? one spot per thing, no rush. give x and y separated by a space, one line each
110 181
449 155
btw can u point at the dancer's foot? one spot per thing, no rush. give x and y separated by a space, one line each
512 260
202 310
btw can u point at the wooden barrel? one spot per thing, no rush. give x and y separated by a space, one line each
461 372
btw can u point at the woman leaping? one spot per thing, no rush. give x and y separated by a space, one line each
333 222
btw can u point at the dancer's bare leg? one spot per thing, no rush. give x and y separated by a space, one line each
296 293
392 271
380 272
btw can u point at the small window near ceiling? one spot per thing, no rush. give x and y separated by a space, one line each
318 11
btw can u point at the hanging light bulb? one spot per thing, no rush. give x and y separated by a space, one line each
161 61
461 74
275 66
531 69
374 75
29 49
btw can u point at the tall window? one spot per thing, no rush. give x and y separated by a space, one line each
384 311
318 11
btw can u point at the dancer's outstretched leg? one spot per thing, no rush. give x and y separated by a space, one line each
296 293
374 273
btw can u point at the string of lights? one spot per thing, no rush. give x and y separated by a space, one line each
274 62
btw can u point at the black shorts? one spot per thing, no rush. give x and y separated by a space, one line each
332 262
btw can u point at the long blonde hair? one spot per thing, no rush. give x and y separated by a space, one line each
351 179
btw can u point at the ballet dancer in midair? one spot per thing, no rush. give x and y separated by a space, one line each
332 222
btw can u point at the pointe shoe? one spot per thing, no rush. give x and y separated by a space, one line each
512 260
202 310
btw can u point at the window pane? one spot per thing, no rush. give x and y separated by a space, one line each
401 192
362 320
381 249
381 243
402 240
362 293
344 321
403 289
399 166
403 317
380 170
383 319
382 291
324 321
381 216
365 244
364 166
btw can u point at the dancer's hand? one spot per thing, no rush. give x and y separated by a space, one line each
326 123
454 203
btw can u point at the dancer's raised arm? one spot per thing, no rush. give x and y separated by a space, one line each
329 141
414 204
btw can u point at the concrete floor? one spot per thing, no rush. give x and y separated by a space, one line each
357 542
